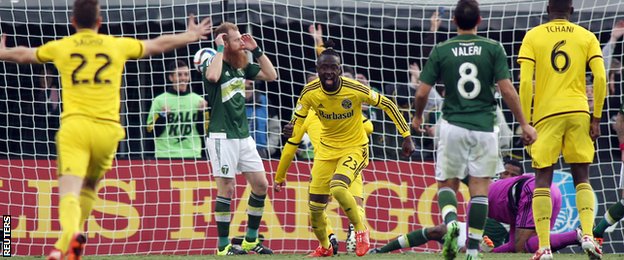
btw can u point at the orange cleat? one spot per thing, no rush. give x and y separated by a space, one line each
543 254
76 247
486 244
362 244
322 252
591 247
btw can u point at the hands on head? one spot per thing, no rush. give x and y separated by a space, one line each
250 43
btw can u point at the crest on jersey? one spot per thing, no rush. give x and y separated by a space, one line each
225 169
347 104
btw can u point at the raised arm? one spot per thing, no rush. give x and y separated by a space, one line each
165 43
267 71
20 54
317 34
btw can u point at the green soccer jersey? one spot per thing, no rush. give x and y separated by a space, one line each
468 66
180 137
227 100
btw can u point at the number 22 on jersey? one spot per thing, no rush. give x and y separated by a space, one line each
101 61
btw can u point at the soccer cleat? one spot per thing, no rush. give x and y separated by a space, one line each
76 247
256 247
350 242
231 250
55 254
449 248
486 244
334 243
544 254
374 251
591 248
362 242
322 252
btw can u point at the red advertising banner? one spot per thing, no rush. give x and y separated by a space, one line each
162 206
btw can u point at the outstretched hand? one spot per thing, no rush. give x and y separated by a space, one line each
317 33
202 29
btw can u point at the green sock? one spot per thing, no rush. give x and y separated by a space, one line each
417 238
254 215
613 215
447 202
223 216
477 214
412 239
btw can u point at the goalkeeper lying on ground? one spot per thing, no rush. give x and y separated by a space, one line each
513 207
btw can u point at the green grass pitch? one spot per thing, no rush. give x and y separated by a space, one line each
411 256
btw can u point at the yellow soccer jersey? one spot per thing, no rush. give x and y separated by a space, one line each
90 66
560 51
312 126
340 114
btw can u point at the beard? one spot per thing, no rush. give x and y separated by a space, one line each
237 58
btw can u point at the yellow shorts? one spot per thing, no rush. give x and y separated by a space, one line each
86 147
351 164
567 134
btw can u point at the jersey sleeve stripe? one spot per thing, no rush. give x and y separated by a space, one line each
295 144
356 87
141 50
37 55
308 88
388 104
593 57
298 115
525 58
396 114
365 120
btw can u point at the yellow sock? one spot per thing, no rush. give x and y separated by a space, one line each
330 229
362 214
69 215
585 205
318 219
542 210
87 199
339 190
